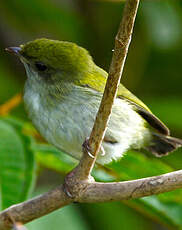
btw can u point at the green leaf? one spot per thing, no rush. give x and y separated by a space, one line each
115 216
16 162
67 218
51 158
133 165
162 207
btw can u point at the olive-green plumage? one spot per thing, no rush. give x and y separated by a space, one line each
72 58
62 96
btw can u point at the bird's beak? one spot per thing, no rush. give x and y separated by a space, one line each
14 50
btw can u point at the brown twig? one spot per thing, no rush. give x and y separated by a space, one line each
122 42
79 179
82 187
94 192
34 208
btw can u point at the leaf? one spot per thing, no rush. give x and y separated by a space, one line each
162 207
133 165
115 216
51 158
16 163
68 218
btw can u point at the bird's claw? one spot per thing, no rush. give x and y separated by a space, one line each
86 147
67 184
66 190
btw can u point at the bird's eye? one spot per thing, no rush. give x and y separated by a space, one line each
40 66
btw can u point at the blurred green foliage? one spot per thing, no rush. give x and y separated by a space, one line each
152 72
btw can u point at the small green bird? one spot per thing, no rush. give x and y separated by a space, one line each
62 96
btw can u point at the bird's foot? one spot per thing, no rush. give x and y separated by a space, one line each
67 190
86 147
67 182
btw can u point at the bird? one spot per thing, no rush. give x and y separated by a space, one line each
62 94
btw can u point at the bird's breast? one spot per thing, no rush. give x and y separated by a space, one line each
68 122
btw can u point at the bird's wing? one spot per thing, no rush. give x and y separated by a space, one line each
97 82
152 120
125 93
143 110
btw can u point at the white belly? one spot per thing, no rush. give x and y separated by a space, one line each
67 124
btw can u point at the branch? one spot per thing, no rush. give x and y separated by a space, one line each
117 191
79 182
122 42
94 192
34 208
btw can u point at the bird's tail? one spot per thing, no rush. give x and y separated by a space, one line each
162 145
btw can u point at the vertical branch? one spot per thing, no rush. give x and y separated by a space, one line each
122 42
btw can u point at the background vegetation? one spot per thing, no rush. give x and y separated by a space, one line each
29 166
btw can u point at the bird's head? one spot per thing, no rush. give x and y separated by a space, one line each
53 62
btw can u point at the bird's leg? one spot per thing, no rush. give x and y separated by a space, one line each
86 148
